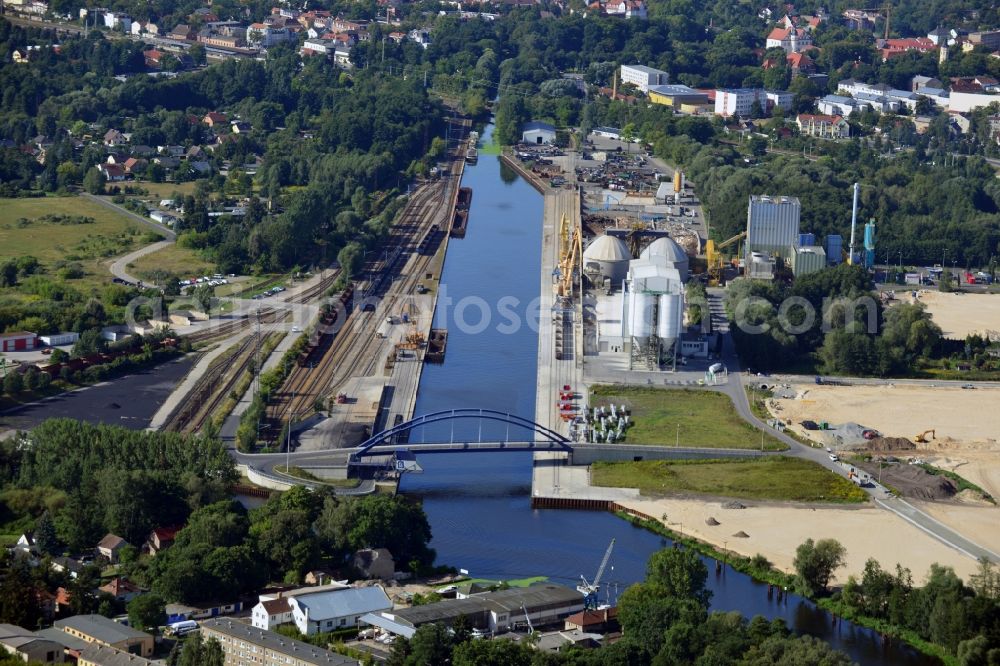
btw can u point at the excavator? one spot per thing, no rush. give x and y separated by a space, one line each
922 437
714 259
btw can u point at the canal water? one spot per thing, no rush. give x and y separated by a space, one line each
478 504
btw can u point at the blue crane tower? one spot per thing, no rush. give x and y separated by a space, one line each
870 243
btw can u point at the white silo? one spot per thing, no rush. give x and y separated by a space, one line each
674 254
640 315
670 319
607 257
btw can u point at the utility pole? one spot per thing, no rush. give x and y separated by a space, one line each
677 443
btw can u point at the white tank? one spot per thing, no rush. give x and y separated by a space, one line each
674 254
640 315
670 317
607 256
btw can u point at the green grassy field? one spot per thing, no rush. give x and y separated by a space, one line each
91 246
771 478
160 191
517 582
706 418
174 259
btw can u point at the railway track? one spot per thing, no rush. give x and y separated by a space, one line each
214 386
352 350
230 328
317 290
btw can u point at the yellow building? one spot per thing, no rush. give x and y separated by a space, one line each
676 95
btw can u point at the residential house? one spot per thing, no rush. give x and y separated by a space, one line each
800 63
183 32
627 8
118 21
215 119
112 172
939 36
168 162
318 577
160 539
110 546
135 165
121 589
861 19
68 565
323 47
114 138
103 631
792 40
173 151
26 542
240 127
557 641
891 48
375 563
153 57
268 648
421 36
270 613
102 655
324 611
919 81
823 126
28 646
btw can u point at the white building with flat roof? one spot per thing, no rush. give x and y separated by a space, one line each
643 77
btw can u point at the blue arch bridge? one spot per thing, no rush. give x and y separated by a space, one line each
392 448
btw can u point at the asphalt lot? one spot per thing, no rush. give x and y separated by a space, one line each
128 401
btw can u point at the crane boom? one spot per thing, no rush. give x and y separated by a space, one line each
604 563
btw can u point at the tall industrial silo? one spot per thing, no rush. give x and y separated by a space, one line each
674 254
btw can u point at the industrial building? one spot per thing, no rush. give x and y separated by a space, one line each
541 604
807 259
772 226
19 341
538 133
677 96
102 631
643 77
56 339
653 313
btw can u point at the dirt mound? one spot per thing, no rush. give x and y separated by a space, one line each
741 535
712 521
734 504
890 444
913 481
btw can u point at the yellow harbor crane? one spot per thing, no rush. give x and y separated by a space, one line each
714 258
570 254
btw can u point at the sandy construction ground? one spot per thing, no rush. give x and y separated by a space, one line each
776 531
961 314
980 467
962 418
979 523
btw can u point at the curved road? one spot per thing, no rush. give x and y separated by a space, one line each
118 268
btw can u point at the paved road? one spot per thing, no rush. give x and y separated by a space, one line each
118 268
875 381
166 232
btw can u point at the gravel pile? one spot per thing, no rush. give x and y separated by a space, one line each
712 521
734 504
